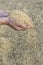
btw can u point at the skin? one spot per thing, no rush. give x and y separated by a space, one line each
4 19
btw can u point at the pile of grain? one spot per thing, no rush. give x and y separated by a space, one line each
20 17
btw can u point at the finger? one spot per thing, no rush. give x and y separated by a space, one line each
29 26
19 28
21 25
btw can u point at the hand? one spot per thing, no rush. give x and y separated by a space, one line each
12 23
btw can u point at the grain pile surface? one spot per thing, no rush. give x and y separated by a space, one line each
20 17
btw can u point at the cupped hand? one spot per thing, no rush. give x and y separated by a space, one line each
12 23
